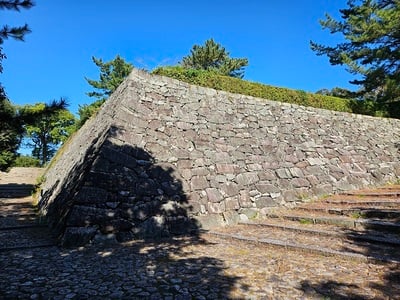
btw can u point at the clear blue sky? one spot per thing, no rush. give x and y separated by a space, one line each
273 34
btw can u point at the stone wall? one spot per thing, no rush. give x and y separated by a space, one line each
164 156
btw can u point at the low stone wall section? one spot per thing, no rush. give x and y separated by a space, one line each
160 145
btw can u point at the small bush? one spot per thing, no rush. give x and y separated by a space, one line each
88 110
26 161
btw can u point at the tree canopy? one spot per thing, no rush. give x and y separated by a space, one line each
212 56
47 125
112 73
371 29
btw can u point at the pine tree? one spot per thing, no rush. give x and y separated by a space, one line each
18 32
213 57
112 73
371 29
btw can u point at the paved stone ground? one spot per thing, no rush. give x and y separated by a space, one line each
208 266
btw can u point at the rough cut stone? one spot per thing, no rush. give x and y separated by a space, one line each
232 203
264 188
231 217
210 221
265 202
198 183
230 189
245 199
300 182
250 213
283 173
214 195
247 178
78 236
156 140
226 168
216 207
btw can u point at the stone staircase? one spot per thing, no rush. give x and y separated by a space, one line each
20 225
362 225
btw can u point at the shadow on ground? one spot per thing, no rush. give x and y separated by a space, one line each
389 284
165 269
16 190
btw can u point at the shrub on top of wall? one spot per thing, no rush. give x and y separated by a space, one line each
234 85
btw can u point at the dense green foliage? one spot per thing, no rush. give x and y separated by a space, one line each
87 110
234 85
46 131
371 29
26 161
213 57
10 133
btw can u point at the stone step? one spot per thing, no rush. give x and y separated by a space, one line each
27 212
24 226
314 248
363 202
15 194
370 212
27 206
15 201
25 237
341 221
368 244
21 221
16 186
367 236
374 193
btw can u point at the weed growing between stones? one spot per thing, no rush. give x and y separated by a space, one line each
305 221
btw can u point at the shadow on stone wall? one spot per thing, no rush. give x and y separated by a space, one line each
120 192
132 214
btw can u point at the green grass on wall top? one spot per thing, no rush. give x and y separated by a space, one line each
234 85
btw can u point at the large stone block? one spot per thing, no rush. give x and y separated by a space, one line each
230 189
210 221
266 188
214 195
216 207
248 178
78 236
199 183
